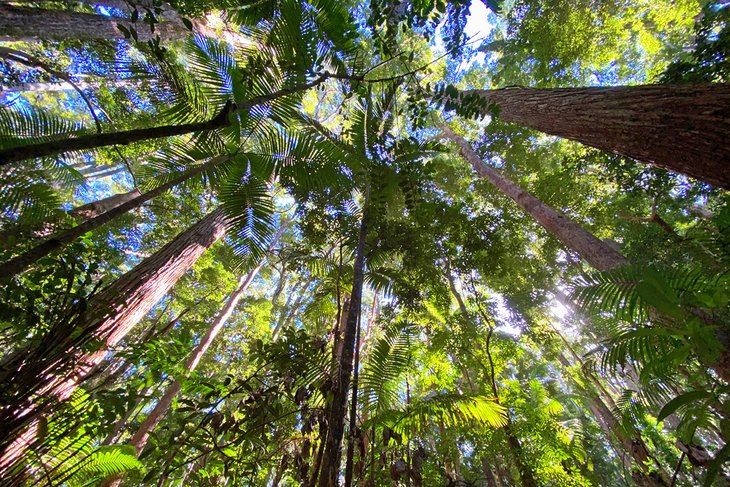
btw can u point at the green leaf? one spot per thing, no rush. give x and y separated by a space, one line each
124 31
679 401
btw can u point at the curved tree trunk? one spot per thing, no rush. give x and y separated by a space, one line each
59 364
20 263
596 252
681 128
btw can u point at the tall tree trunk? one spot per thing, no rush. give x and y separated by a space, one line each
24 24
588 246
338 398
95 141
54 368
491 480
20 263
681 128
46 87
350 459
96 208
90 210
141 436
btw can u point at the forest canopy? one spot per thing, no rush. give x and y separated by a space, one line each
382 243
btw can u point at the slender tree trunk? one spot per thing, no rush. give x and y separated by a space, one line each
491 480
24 24
51 87
20 263
96 208
588 246
90 210
141 436
338 405
350 459
95 141
58 365
681 128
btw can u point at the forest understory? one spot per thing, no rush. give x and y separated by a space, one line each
406 243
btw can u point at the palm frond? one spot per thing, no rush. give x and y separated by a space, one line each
448 409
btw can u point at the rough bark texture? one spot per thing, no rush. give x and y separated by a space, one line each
681 128
24 24
94 141
110 316
18 264
338 405
588 246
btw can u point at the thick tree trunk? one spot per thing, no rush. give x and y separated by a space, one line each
681 128
59 364
338 405
20 263
95 141
24 24
588 246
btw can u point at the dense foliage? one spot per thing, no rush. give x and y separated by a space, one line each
407 291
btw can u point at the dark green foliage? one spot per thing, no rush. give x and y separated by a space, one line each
709 61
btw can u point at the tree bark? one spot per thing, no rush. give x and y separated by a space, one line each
25 24
338 405
20 263
491 480
350 459
596 252
58 86
96 208
140 438
95 141
44 229
681 128
59 364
